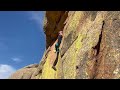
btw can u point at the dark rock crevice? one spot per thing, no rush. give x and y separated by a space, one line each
97 49
58 24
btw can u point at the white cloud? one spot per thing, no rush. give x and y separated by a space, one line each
16 59
37 16
6 71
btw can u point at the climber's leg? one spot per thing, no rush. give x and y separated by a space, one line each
55 62
57 47
57 50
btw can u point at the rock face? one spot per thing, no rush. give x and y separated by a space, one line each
53 22
25 73
90 48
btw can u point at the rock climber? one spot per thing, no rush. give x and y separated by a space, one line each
59 39
57 45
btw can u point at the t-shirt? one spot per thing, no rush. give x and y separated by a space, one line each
59 39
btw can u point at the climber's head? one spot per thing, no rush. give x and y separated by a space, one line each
60 32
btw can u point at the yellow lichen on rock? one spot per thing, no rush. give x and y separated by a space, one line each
69 63
59 72
73 22
90 46
48 71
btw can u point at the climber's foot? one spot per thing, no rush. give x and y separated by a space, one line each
54 68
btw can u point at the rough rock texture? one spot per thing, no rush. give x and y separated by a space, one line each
53 22
90 48
25 73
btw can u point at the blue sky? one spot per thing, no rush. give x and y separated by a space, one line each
22 40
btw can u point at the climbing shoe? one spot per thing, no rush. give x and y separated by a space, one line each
54 68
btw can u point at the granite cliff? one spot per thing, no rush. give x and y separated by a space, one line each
90 48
